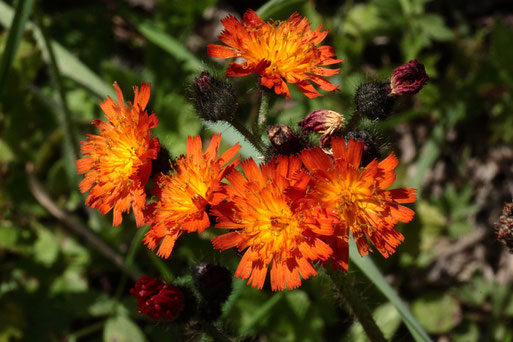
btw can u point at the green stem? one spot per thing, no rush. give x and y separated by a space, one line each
86 331
264 108
253 139
347 293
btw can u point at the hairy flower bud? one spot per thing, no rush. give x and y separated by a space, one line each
370 142
504 227
214 283
157 299
214 99
373 100
285 140
408 79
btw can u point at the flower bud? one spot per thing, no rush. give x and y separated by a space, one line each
284 140
408 79
157 299
323 121
504 227
373 100
214 283
370 142
214 99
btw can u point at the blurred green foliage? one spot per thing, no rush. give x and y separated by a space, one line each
54 285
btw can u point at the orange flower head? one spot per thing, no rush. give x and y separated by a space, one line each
357 199
117 163
184 197
280 52
273 223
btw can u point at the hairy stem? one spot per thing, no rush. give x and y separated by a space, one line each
253 139
346 292
264 108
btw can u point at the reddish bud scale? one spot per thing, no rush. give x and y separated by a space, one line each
408 79
158 300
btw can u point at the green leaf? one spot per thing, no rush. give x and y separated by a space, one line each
122 329
16 29
363 19
299 302
72 280
501 53
8 236
434 27
46 247
273 7
262 312
367 266
172 46
438 313
467 333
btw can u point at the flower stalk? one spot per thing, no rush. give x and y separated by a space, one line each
252 138
346 293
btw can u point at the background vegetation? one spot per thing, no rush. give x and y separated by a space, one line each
65 272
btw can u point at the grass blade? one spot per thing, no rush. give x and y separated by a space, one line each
272 7
16 29
171 46
69 65
367 266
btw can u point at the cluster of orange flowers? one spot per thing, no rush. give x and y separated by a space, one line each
287 213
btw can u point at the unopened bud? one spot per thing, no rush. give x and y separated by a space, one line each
215 100
284 140
214 283
504 227
371 146
323 121
408 79
157 299
372 100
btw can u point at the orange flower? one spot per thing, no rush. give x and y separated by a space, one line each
273 223
184 196
117 163
358 199
280 51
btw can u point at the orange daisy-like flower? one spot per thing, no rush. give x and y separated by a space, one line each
184 196
273 223
117 163
357 198
280 52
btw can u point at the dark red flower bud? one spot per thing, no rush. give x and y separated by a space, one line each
323 121
214 283
284 140
504 227
215 100
408 79
373 100
157 299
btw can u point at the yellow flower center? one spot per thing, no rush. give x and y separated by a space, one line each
287 49
273 228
